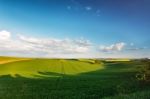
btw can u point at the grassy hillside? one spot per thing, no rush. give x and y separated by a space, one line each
35 67
4 60
71 79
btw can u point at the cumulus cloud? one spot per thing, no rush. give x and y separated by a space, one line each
5 35
57 45
113 47
59 48
42 46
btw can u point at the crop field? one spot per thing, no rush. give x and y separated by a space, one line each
37 78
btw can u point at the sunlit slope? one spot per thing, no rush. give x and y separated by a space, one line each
4 60
37 67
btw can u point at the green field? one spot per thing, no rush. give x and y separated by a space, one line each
35 78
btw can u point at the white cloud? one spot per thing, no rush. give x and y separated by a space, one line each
62 48
5 35
113 47
40 46
57 45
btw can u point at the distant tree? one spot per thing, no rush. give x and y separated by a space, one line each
97 61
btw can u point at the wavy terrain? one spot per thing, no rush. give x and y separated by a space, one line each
35 67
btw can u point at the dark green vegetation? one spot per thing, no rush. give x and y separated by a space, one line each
72 80
144 71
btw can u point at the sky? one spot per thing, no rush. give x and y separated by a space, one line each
75 28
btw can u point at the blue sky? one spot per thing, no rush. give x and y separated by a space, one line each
112 28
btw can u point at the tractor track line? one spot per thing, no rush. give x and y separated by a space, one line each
59 80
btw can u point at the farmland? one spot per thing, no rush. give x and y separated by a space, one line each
37 78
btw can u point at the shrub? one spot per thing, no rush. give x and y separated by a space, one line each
97 61
144 72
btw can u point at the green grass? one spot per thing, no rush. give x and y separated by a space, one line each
136 95
4 60
71 79
34 67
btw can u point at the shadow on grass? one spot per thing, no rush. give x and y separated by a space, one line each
115 79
